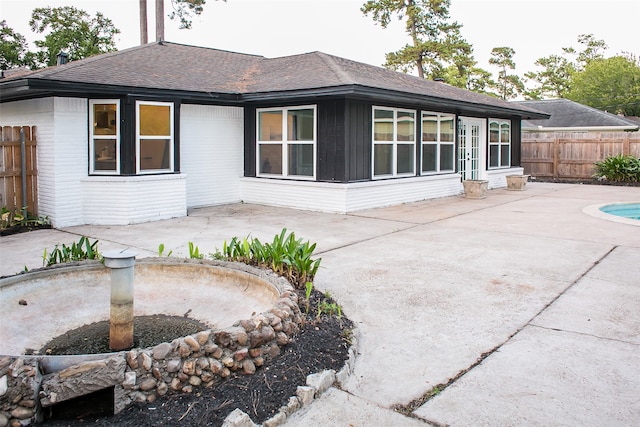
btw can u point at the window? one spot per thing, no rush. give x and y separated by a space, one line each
104 138
438 140
394 142
154 137
286 142
499 143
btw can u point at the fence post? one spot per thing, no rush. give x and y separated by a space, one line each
556 154
23 174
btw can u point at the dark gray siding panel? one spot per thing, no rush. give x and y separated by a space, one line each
516 142
358 119
331 159
250 141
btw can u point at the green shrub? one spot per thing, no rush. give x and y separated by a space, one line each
285 255
620 168
78 251
10 219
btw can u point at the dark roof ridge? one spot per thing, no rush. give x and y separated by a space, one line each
343 76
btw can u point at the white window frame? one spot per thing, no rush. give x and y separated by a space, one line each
394 142
437 142
170 137
93 137
286 143
500 143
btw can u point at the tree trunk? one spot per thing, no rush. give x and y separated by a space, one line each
159 20
144 39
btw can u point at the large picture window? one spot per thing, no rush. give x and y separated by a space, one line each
154 137
499 143
286 142
394 142
104 138
438 142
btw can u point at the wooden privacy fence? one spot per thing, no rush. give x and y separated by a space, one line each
572 155
11 186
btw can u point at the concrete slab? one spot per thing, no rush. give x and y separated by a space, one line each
338 408
434 285
545 377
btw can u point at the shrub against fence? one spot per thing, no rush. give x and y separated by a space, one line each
11 174
573 155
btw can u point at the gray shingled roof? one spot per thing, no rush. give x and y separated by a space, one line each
569 114
178 67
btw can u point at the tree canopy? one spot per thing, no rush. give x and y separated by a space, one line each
73 31
14 51
611 84
509 86
436 43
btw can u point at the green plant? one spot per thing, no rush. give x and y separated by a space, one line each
10 219
620 168
285 255
161 250
307 295
78 251
329 307
194 252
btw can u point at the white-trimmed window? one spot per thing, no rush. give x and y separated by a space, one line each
104 138
499 143
394 142
438 143
154 137
286 142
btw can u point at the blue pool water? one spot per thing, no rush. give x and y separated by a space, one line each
625 210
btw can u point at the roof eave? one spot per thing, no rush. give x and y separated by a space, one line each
581 128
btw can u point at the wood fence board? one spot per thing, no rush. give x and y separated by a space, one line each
11 169
573 155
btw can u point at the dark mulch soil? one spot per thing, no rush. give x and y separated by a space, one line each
592 181
16 229
322 343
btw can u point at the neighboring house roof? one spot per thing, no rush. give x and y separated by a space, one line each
214 75
570 115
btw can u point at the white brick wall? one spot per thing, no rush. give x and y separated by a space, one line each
211 153
342 198
497 177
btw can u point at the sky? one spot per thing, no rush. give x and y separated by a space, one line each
272 28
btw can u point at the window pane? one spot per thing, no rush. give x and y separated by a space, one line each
429 157
382 159
505 133
300 125
494 132
104 119
383 125
406 127
271 158
154 154
104 154
504 155
270 125
155 120
301 159
405 158
447 129
446 157
493 156
429 128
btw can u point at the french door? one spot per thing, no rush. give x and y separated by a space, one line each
472 142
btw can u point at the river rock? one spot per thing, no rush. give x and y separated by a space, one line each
161 351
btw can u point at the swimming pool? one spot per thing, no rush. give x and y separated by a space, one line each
624 210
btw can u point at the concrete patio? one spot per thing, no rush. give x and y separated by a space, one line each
528 302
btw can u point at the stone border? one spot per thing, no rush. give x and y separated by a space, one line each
141 375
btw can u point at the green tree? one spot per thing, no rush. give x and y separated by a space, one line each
185 10
435 44
508 85
13 49
611 84
73 31
554 80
